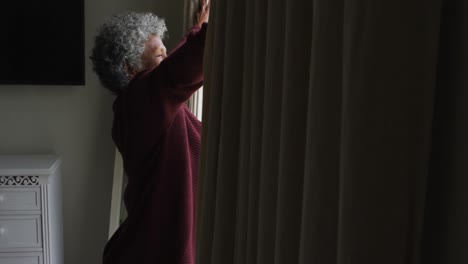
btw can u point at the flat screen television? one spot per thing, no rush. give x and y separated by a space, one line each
42 42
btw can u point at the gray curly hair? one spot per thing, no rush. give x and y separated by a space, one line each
120 43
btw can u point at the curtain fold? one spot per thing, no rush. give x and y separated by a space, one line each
210 131
319 238
242 244
446 232
271 127
389 74
296 68
326 133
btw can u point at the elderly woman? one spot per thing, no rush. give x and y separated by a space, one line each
157 135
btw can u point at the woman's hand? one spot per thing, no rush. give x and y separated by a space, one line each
203 13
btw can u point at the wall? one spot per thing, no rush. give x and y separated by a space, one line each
75 122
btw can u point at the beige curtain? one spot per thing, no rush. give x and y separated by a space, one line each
335 132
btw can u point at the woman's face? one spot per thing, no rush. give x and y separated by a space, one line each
154 53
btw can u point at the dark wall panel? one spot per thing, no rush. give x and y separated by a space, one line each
42 42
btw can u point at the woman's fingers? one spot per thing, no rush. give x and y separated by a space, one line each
205 5
203 13
202 5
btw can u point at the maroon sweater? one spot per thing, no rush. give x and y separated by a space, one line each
160 143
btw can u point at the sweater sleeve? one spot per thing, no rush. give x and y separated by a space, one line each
181 73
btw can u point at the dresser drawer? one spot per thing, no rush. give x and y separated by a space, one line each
20 231
21 258
20 199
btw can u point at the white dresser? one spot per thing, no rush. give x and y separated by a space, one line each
30 210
